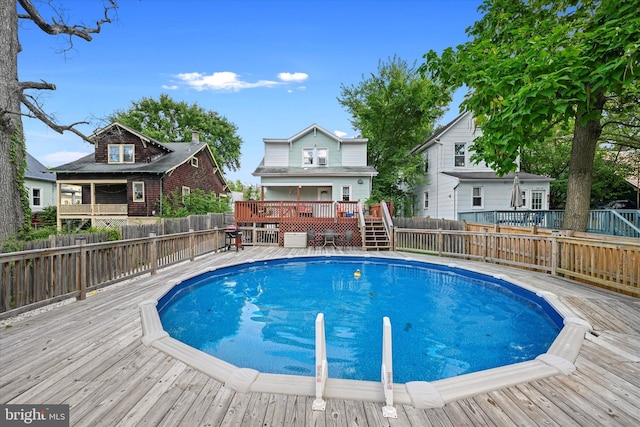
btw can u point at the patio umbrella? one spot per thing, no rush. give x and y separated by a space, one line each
516 194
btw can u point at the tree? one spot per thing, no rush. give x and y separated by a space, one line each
169 121
533 64
14 95
395 110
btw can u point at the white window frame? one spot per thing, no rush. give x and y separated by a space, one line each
342 194
479 196
186 191
312 157
524 197
537 200
122 149
194 162
425 203
33 197
457 155
135 192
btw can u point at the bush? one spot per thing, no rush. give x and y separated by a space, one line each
175 205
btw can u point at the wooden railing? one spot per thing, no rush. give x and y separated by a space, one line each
614 265
279 211
97 209
28 279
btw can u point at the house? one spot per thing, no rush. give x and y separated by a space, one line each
315 165
454 185
124 180
40 185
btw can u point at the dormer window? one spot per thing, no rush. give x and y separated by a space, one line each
121 153
314 156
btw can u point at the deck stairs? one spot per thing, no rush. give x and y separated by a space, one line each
375 235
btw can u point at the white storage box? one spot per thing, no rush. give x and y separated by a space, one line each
295 240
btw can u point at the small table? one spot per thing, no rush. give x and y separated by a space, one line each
329 236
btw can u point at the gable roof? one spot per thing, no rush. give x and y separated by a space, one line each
439 132
176 154
313 128
36 170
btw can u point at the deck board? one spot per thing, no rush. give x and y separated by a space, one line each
89 355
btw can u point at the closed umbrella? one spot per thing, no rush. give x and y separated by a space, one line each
516 194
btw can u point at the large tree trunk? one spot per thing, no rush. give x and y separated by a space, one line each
12 147
583 149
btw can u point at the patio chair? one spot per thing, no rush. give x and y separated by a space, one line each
312 239
346 239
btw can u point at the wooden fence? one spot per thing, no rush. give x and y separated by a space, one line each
609 263
29 279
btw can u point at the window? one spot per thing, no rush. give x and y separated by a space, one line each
476 199
194 162
36 197
185 193
346 193
121 153
322 156
315 156
307 156
426 200
459 155
537 198
524 198
138 191
426 164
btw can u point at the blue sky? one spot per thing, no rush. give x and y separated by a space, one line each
270 67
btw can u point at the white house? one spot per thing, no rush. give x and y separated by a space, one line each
40 184
454 185
315 164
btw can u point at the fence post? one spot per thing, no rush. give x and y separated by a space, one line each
192 246
440 241
81 269
153 254
485 244
554 253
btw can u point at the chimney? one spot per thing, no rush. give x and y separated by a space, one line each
195 137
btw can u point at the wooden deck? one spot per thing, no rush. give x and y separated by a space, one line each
89 354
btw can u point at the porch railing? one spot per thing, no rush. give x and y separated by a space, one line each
278 211
614 222
96 209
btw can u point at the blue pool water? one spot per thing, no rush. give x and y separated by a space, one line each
445 322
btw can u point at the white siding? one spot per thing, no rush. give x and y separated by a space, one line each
354 155
276 154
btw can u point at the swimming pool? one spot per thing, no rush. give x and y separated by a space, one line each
445 322
558 359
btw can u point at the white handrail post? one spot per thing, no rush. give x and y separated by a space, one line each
321 364
388 411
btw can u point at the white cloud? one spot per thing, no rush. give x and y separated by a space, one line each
223 80
293 77
172 87
339 133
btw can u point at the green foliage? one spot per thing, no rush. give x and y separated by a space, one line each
533 64
167 120
198 202
395 110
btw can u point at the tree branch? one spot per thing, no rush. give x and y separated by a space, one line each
37 85
57 28
44 117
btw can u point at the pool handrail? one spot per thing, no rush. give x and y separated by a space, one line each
321 364
388 411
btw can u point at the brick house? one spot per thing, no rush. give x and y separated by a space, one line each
124 179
